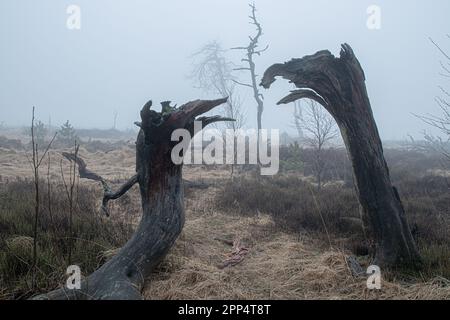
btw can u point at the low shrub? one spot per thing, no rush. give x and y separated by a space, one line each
93 235
296 206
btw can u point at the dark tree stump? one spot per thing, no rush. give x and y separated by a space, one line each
161 188
338 84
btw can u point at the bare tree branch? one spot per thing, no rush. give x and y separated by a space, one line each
108 193
440 122
242 84
439 48
319 128
213 73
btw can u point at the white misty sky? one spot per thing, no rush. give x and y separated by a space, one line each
130 51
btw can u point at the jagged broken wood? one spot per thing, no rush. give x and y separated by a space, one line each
161 189
338 84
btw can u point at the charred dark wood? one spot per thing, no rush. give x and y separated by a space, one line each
338 84
161 190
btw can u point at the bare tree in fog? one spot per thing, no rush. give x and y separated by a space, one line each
213 73
320 129
70 188
35 162
442 121
115 120
298 116
250 52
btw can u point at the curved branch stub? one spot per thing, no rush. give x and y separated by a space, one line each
303 94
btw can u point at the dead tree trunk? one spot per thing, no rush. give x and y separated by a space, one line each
161 189
252 51
338 84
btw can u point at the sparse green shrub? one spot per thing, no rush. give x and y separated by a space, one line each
67 135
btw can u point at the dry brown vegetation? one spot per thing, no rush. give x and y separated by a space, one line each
281 220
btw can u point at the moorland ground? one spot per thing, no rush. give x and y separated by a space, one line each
296 238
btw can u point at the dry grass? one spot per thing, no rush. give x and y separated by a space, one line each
278 266
116 164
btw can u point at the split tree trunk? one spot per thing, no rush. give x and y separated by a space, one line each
161 189
338 84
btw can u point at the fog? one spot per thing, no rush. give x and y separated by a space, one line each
128 52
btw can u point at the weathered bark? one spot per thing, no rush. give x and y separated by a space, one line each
338 84
160 183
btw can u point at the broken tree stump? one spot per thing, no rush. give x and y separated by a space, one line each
161 189
338 84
